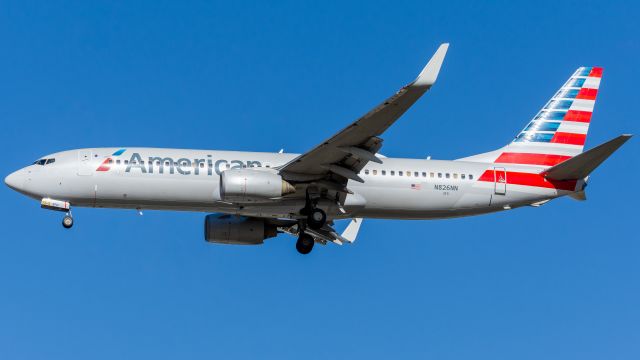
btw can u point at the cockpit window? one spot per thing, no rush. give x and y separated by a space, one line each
44 161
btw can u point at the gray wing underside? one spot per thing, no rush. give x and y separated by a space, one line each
343 155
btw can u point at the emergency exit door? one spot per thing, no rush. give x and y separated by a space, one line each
500 180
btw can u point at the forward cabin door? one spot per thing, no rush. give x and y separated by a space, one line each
500 180
84 163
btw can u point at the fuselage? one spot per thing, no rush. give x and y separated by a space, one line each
181 179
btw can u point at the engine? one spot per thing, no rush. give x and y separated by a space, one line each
237 230
248 185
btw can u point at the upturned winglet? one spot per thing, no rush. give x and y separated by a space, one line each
429 74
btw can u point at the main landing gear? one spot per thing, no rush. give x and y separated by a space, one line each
305 243
316 217
67 221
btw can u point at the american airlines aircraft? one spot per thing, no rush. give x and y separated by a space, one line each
257 195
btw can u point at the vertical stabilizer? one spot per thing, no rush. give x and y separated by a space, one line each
559 130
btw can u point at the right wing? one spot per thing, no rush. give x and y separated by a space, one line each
342 156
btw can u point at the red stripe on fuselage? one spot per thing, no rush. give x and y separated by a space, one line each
529 179
531 159
569 138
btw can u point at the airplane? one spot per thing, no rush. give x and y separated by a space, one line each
253 196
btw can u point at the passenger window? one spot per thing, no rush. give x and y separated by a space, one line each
399 173
447 175
118 162
424 174
455 175
228 166
384 172
439 175
470 177
375 172
126 162
415 174
431 175
366 172
462 176
408 173
393 173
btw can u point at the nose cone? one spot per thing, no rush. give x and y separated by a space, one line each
15 180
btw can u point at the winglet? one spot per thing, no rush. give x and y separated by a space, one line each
351 232
429 74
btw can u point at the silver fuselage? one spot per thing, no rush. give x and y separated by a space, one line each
186 180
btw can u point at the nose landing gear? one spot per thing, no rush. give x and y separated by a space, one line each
67 221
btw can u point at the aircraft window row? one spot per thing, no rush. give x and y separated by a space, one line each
44 161
423 174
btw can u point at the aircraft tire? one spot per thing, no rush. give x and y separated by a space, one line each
67 222
305 243
316 218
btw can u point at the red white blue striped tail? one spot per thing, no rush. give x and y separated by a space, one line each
559 130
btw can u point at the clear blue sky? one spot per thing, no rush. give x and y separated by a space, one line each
557 282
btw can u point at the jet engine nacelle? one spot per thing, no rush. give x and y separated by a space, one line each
237 230
248 185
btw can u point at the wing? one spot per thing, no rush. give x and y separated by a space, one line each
342 156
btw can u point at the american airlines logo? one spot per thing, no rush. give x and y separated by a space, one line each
182 166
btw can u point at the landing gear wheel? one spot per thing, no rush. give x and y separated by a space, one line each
316 218
67 222
305 243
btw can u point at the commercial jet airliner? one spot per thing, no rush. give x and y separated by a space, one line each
254 195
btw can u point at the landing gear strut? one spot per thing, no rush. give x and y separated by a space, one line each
316 217
67 221
305 243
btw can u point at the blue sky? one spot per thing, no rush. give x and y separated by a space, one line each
556 282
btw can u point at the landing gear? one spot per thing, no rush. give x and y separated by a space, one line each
316 218
305 243
67 221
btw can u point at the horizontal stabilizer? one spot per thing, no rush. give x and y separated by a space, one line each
581 165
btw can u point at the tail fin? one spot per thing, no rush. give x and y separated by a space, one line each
559 130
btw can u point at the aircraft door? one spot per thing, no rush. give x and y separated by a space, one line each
84 163
500 180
